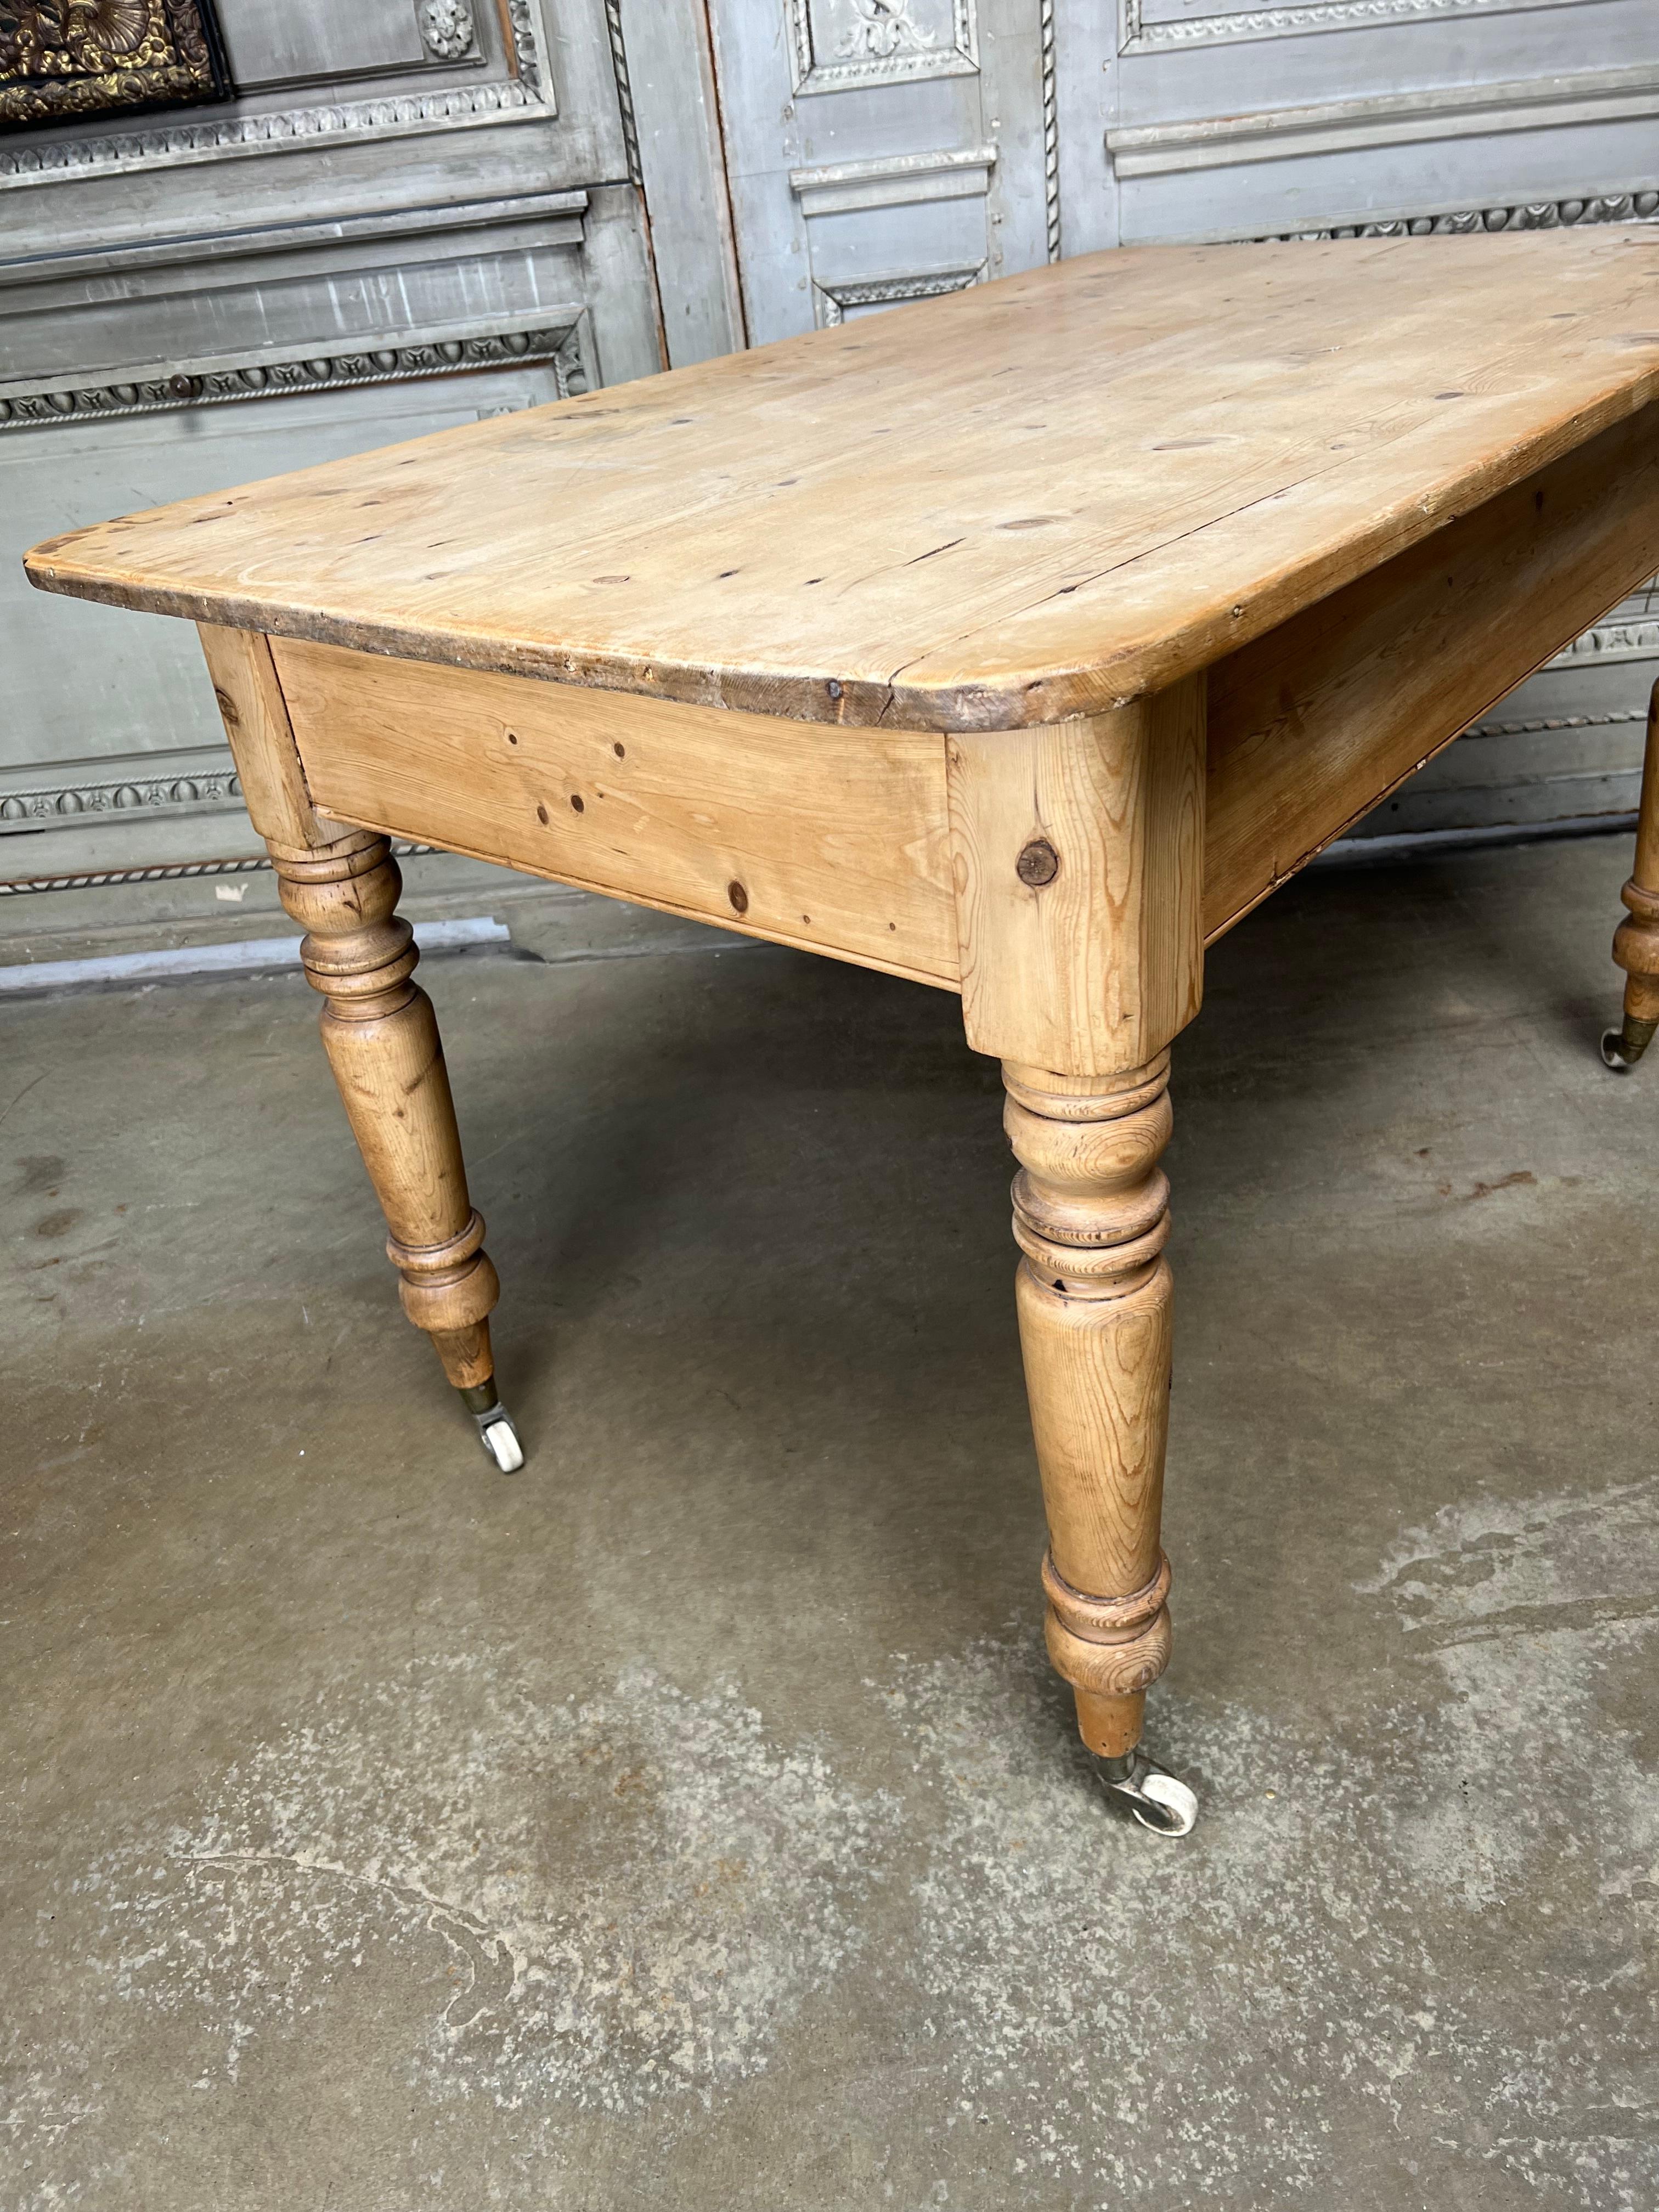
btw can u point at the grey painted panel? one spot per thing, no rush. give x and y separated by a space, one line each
858 141
324 298
351 304
671 83
1189 25
1458 109
1012 49
1085 90
1449 47
619 295
358 112
317 41
105 702
208 201
141 261
383 236
762 144
850 247
95 684
1372 182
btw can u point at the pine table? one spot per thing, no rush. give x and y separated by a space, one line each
1018 642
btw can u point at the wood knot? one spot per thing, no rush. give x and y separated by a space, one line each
227 706
1038 863
738 896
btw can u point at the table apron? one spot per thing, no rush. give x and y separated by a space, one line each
840 840
834 840
1313 724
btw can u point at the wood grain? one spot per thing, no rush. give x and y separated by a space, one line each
836 841
1079 867
261 739
1636 943
1312 725
1093 1291
382 1038
1023 502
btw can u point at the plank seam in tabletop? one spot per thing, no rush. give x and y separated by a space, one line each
1019 504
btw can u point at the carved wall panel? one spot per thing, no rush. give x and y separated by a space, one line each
838 45
311 42
406 217
119 762
889 149
1149 25
515 86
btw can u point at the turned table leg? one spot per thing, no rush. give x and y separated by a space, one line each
379 1029
1077 852
1635 946
382 1038
1091 1215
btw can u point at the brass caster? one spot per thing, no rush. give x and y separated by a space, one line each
1157 1800
1622 1048
496 1430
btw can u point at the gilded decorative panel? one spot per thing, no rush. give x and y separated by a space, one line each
61 59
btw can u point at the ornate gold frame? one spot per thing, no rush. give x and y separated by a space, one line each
63 59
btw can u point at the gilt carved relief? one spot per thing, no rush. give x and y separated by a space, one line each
61 59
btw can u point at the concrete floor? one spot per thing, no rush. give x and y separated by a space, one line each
691 1821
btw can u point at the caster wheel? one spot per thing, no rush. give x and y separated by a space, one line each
500 1440
1611 1041
1160 1803
1622 1048
1171 1809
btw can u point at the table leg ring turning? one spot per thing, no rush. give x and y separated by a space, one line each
1093 1290
1635 946
381 1038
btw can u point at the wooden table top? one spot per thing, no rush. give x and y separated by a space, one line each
1021 502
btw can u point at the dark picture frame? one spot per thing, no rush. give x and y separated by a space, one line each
65 61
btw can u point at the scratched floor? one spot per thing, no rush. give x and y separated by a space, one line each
691 1821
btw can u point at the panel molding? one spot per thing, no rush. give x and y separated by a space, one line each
1050 128
556 345
1639 206
1346 126
1538 727
883 44
1636 638
525 96
950 172
558 216
192 780
630 129
1137 36
162 872
832 301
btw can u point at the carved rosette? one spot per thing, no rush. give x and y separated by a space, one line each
447 29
